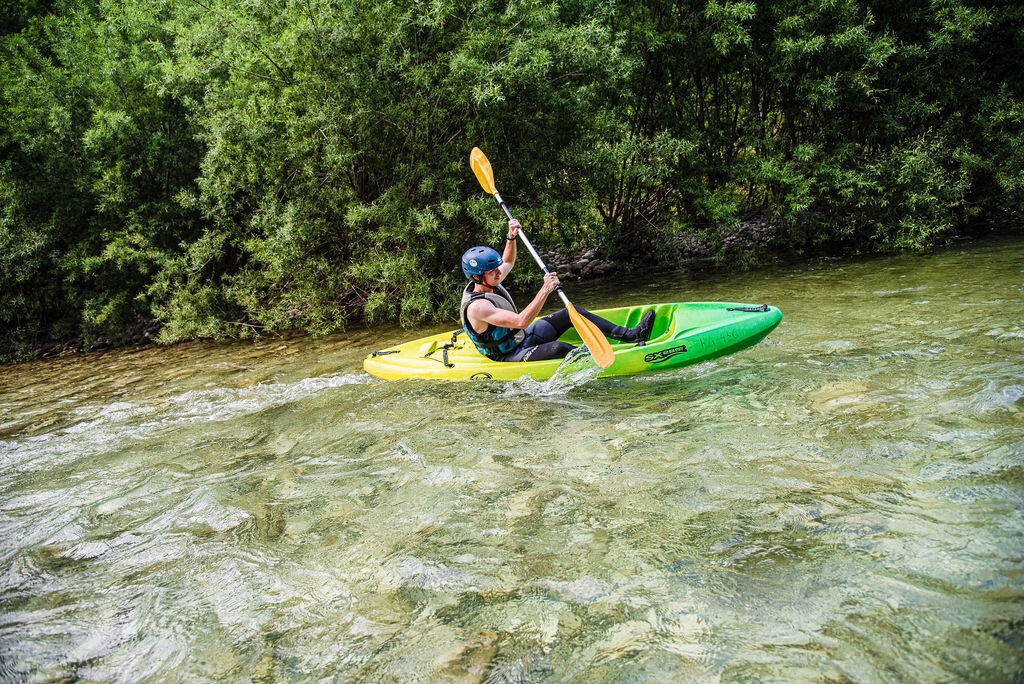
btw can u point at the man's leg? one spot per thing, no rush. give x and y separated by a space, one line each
552 327
540 352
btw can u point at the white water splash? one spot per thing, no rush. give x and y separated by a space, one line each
578 368
141 420
224 403
217 404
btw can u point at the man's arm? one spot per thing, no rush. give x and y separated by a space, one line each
508 256
483 311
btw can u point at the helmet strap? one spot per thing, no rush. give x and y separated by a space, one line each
479 280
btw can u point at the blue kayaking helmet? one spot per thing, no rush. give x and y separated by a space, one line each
479 260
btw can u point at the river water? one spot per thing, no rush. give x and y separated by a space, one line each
844 501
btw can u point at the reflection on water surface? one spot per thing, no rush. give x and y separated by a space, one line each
843 502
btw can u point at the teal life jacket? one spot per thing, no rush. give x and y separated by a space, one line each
495 342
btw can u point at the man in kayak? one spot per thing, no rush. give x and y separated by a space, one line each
502 332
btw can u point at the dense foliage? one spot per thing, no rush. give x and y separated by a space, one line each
225 168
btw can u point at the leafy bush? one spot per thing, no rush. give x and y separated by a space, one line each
222 169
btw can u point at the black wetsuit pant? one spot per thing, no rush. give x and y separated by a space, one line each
541 341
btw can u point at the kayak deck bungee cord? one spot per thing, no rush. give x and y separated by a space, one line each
684 334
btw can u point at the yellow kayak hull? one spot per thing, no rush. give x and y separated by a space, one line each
684 334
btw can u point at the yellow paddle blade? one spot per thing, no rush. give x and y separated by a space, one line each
482 169
592 337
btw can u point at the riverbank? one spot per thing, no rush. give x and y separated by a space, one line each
756 241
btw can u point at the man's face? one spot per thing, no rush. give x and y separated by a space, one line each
492 278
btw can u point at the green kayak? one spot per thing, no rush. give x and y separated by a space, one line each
684 334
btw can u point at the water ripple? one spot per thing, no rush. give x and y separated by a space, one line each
843 502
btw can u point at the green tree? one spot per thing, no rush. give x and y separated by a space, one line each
226 169
94 152
337 135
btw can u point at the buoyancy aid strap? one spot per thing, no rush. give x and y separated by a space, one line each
501 299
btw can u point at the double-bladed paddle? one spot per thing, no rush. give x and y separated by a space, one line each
591 336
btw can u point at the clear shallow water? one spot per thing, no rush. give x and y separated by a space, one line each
844 501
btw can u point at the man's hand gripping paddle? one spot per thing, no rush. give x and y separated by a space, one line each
591 336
